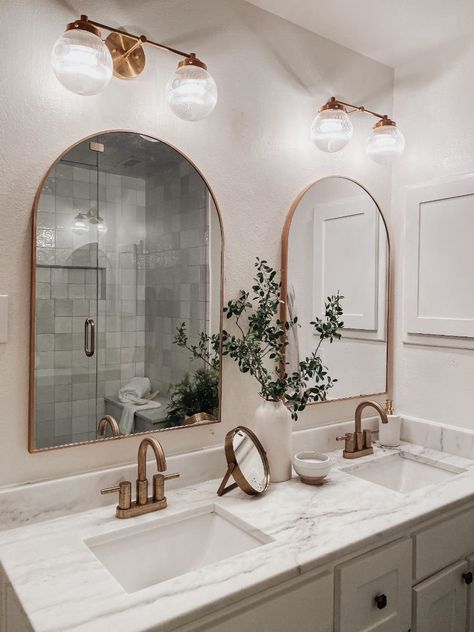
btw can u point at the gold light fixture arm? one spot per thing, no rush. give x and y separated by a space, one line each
126 49
139 40
335 104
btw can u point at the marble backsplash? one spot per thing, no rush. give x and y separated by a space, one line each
31 503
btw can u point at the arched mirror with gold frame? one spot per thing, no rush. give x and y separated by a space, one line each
335 239
126 294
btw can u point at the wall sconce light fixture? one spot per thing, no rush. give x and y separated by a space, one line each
332 129
84 64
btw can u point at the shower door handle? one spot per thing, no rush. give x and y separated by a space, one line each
89 337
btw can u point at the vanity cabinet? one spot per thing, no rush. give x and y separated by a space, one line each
373 591
12 617
470 597
444 561
304 604
445 542
440 602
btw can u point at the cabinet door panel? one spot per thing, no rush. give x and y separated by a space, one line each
436 548
440 603
305 606
385 574
470 599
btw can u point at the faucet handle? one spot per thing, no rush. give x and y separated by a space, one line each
124 490
159 485
350 441
170 477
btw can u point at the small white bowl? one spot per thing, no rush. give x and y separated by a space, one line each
312 467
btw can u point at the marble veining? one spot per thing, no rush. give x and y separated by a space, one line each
51 499
62 586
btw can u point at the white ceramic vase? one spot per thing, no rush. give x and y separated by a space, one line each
273 427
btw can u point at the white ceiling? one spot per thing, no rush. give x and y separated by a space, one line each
389 31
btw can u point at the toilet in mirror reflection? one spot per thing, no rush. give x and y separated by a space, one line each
127 246
335 240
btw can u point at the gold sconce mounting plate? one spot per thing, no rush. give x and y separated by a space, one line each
128 55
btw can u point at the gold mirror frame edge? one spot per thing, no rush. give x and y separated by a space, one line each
284 281
32 449
233 467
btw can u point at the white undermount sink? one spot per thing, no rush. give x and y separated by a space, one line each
138 557
404 472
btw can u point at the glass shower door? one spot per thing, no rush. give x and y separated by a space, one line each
66 302
121 235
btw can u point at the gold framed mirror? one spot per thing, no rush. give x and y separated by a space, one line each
247 463
126 294
335 239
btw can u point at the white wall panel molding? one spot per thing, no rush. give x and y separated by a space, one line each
439 263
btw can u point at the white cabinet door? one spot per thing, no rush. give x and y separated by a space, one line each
303 605
440 602
470 599
373 591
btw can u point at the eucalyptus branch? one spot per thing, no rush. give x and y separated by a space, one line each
264 338
207 349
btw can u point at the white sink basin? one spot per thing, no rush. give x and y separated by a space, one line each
139 557
404 472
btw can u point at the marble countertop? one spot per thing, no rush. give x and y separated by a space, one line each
62 586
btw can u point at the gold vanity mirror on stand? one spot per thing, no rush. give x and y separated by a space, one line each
246 462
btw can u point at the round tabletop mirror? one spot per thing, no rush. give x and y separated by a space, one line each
246 462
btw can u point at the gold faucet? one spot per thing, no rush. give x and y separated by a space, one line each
359 443
143 504
109 421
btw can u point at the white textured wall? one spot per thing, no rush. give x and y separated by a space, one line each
254 150
434 106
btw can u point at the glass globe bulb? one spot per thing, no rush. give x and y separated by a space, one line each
191 93
385 144
80 223
331 130
82 62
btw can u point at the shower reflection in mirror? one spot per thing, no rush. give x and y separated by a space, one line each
127 268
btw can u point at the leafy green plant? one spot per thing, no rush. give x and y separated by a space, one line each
199 392
259 347
207 348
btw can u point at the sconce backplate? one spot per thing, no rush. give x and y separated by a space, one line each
126 66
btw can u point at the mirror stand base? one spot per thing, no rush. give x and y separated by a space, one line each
222 487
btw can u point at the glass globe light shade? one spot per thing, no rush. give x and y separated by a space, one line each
96 220
102 226
82 62
385 144
80 223
331 130
191 93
